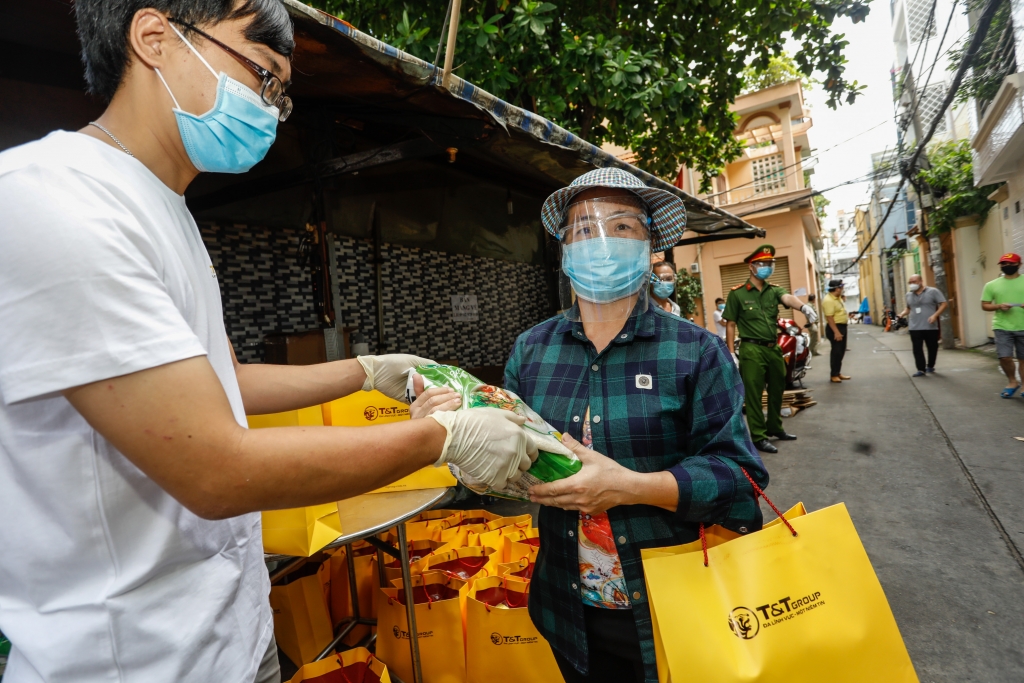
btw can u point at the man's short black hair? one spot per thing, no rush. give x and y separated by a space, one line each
719 299
103 27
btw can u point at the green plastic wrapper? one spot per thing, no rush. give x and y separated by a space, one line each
554 462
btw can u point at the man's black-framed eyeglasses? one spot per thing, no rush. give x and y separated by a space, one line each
272 91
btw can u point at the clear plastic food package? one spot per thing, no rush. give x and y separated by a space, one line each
555 461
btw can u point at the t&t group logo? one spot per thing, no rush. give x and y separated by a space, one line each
499 639
371 413
404 635
744 623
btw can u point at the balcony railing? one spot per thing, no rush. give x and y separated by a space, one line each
1004 118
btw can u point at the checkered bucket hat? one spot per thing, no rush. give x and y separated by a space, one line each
668 213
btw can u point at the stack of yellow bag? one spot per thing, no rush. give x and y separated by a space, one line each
470 599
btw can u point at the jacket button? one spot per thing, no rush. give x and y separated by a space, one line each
571 534
623 336
597 418
622 540
594 367
574 587
743 529
575 418
636 595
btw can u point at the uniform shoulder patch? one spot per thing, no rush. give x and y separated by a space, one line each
736 287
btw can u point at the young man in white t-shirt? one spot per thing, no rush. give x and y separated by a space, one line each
129 485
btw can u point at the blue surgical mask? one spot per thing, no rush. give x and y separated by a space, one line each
663 290
721 307
606 269
765 272
235 134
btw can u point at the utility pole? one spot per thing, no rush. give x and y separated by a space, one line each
939 270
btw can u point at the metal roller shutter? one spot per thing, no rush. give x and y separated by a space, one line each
737 273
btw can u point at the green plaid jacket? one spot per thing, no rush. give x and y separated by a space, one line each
686 419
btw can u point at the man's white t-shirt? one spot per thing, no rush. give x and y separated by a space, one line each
719 323
103 575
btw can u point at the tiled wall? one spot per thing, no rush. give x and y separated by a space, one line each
266 290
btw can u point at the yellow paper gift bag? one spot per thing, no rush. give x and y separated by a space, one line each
520 544
502 644
771 607
297 531
352 663
521 568
466 564
301 623
438 625
300 531
419 553
365 408
364 557
496 530
422 526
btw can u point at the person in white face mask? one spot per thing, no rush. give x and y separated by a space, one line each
130 487
924 306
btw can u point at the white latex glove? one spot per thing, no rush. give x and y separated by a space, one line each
387 374
812 317
488 444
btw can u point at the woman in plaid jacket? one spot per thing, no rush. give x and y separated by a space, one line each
652 406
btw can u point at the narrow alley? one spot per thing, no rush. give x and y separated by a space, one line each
932 476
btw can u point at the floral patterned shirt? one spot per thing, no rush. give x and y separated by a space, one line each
600 567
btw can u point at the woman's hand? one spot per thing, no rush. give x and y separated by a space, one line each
600 485
432 400
603 483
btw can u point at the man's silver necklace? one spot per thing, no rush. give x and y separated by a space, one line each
119 143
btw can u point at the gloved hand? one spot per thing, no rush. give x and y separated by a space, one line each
387 375
488 444
812 317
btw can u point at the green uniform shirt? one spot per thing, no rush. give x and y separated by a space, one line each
1004 291
755 313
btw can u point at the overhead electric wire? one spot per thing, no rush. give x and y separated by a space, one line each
801 161
871 175
981 30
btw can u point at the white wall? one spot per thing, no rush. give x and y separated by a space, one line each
970 281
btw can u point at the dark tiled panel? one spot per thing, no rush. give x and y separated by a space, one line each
266 290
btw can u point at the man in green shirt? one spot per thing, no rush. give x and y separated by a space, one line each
1005 296
753 309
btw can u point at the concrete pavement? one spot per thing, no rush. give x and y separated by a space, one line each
933 480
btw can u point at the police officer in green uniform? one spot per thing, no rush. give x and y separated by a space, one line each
753 309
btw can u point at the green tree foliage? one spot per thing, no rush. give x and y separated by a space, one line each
781 69
688 291
994 60
820 202
656 77
951 179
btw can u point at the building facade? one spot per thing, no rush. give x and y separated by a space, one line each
767 187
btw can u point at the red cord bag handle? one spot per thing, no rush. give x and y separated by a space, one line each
758 492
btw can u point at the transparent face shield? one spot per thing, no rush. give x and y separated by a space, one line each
606 259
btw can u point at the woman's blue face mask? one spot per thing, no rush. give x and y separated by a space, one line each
606 269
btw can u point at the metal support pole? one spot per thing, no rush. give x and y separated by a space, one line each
353 589
382 575
410 606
